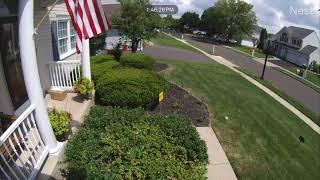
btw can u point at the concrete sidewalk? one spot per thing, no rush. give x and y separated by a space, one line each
219 167
282 101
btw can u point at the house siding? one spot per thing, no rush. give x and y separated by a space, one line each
315 56
312 39
291 52
43 40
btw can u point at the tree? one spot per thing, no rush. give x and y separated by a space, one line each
170 22
231 18
190 20
135 22
263 37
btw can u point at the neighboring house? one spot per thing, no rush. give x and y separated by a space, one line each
297 45
113 8
252 41
31 62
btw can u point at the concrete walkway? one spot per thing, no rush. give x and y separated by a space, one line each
219 167
232 66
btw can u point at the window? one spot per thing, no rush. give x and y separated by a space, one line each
284 37
66 38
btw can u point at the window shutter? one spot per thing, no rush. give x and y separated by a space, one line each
54 37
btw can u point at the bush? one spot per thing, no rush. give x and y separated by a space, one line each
117 52
84 87
60 122
100 64
130 88
137 60
117 143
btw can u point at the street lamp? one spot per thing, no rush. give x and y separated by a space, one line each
267 50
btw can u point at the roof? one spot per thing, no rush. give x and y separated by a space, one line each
299 32
308 49
111 10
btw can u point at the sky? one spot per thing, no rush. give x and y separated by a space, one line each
271 14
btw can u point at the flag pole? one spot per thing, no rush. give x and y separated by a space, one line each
42 19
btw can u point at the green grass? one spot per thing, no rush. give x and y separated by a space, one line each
315 79
261 136
165 40
306 111
258 53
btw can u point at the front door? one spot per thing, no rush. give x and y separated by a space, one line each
10 57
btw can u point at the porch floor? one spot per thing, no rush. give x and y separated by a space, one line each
74 105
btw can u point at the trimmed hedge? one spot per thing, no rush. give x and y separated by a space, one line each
130 88
137 60
117 143
101 64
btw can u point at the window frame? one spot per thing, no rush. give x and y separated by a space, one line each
70 50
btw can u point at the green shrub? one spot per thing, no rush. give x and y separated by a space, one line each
137 60
130 88
84 87
60 122
100 64
117 52
117 143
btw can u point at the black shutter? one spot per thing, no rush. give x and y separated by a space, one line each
54 37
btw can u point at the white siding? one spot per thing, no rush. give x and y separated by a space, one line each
315 56
44 42
312 39
247 43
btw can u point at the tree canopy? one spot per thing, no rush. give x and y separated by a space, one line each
190 20
231 18
135 22
263 37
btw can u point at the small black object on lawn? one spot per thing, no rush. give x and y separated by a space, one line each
301 139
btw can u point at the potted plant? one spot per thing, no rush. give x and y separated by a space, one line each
84 87
60 122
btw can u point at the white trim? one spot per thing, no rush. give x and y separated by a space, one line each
67 54
70 51
22 108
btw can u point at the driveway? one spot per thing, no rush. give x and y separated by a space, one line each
163 52
299 91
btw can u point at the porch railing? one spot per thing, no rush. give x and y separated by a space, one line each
22 151
64 74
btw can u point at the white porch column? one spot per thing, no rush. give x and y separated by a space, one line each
85 59
31 74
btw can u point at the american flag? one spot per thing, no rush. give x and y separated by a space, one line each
88 19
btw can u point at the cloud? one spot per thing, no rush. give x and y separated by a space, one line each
272 14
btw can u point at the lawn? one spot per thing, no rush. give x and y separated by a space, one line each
260 136
165 40
315 79
258 53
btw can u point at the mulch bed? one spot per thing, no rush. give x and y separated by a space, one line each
157 67
178 101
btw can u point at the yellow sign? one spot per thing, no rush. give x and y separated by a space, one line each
161 96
